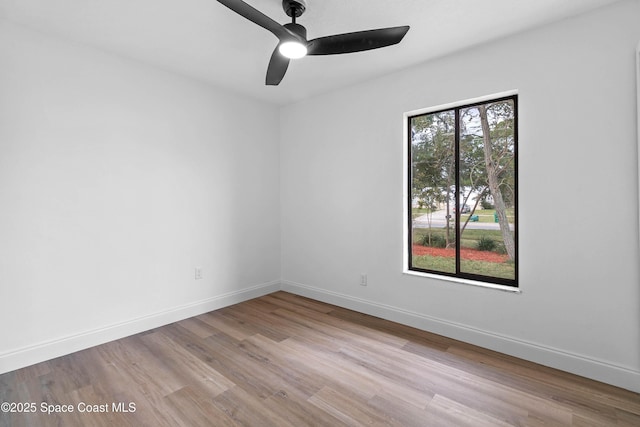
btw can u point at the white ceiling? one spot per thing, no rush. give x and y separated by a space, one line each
205 40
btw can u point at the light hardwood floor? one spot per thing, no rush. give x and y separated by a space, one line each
284 360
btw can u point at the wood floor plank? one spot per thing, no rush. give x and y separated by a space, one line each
117 382
398 332
297 301
185 364
287 360
295 408
399 411
448 412
196 326
357 330
142 366
265 324
283 363
545 383
196 408
349 408
627 418
228 326
245 410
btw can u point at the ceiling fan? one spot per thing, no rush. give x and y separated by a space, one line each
293 42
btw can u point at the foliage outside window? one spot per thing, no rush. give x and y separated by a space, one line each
463 192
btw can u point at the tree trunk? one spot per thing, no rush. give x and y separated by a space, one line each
449 176
494 186
480 196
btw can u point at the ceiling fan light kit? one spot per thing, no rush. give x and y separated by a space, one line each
293 50
293 42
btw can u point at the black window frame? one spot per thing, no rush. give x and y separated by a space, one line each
512 283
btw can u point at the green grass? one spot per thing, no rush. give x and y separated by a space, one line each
505 270
435 263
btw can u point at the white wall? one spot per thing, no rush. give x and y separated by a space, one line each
579 309
116 181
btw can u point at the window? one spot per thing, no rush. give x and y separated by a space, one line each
462 191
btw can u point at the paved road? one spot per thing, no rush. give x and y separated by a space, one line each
438 221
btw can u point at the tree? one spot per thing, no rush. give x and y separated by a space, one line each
472 170
495 166
433 163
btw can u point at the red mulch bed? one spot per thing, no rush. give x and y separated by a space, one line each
467 254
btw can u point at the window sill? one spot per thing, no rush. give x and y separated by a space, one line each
469 282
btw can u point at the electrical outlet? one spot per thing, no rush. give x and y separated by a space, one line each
198 274
363 280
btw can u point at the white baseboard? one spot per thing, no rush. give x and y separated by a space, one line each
569 362
48 350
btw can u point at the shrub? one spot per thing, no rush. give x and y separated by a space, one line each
436 241
486 205
486 244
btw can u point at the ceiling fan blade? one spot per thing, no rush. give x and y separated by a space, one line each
356 42
277 68
259 18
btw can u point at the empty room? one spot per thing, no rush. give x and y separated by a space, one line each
319 213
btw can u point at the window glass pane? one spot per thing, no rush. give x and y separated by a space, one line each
487 190
433 180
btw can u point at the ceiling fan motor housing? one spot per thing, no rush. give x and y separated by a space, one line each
297 29
294 7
